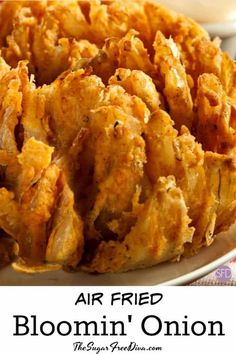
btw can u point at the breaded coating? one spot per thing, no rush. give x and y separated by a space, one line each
11 107
221 174
68 102
164 218
127 52
66 242
115 18
137 83
119 154
34 158
27 214
34 122
10 216
175 81
215 129
180 155
117 135
8 250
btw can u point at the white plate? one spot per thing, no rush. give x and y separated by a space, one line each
222 29
227 32
204 10
180 273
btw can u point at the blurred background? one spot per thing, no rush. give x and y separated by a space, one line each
218 17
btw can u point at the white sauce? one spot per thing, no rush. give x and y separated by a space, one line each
204 11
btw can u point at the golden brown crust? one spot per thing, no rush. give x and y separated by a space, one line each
117 135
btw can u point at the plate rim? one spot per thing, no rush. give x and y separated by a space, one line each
192 268
221 29
201 272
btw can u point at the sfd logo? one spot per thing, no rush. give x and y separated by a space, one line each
224 274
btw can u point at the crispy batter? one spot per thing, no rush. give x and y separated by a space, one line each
178 155
215 116
175 81
66 241
119 155
37 206
33 122
11 107
221 174
115 18
117 135
166 236
181 156
10 216
127 52
8 250
137 83
34 159
68 101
